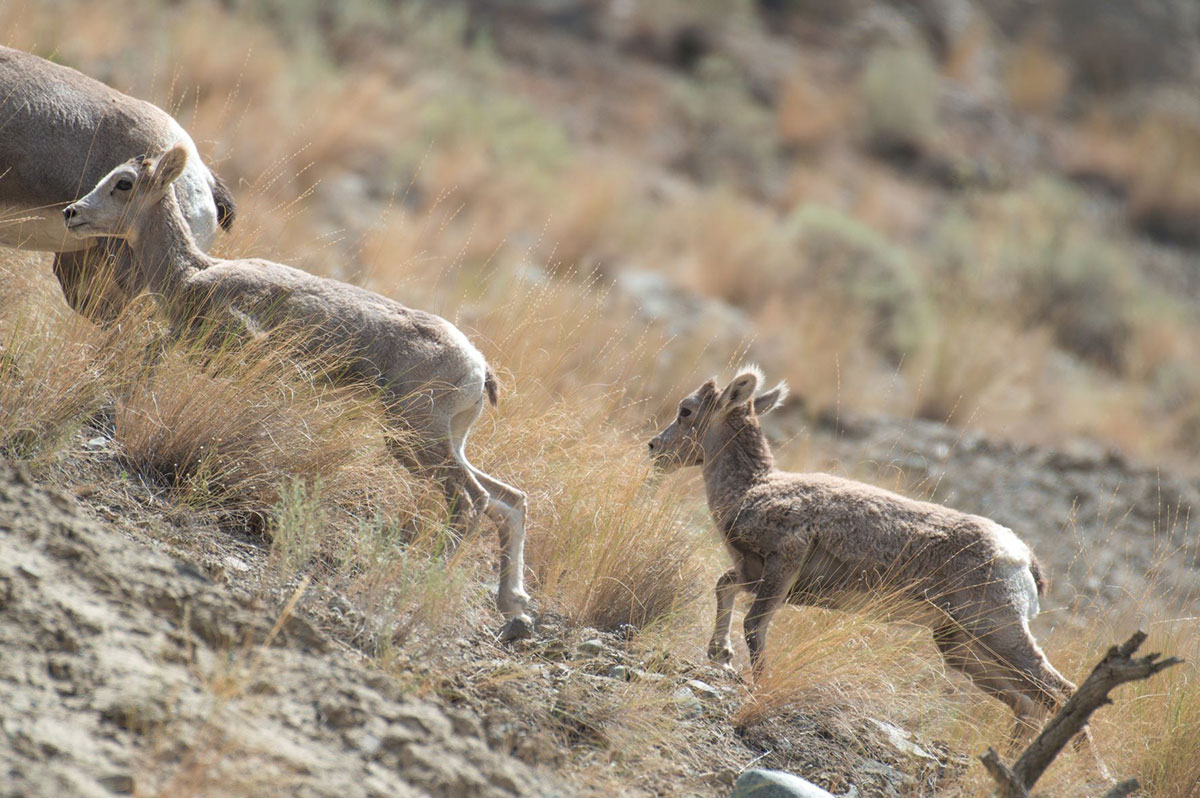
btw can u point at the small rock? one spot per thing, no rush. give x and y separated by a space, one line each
99 442
119 783
369 744
689 705
235 564
620 672
590 648
900 740
775 784
703 689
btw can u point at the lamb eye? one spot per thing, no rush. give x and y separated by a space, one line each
124 185
684 412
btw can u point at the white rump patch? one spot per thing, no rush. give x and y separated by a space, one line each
1032 608
194 190
1010 548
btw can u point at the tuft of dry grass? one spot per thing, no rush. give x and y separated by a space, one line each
57 370
227 424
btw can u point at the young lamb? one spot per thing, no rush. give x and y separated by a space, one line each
432 380
60 131
814 539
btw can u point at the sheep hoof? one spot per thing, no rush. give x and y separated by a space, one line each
518 628
720 654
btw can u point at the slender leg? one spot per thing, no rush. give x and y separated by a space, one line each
435 460
505 505
770 592
1008 664
969 654
720 647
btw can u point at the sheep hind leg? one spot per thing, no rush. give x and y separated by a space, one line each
435 460
1035 676
969 654
506 506
771 591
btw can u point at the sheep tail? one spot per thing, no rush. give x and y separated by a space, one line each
226 208
1038 579
491 386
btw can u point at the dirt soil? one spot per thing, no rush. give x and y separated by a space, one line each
125 669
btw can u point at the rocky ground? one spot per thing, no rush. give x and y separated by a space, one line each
143 653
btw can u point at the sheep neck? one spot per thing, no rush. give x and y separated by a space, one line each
736 457
164 249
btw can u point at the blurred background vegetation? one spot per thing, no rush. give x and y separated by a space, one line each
975 212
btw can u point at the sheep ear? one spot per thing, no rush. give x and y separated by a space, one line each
170 166
740 389
770 400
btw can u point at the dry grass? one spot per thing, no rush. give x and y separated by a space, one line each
227 427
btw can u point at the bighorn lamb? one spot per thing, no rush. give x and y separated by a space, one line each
814 539
432 380
60 132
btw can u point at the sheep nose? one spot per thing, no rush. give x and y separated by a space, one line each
69 212
652 445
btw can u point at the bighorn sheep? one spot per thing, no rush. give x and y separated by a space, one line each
432 380
60 132
815 539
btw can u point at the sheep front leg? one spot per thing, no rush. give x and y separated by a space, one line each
770 592
720 648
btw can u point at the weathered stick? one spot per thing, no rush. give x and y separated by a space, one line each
1115 669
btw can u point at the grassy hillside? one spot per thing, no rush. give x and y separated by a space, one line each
970 225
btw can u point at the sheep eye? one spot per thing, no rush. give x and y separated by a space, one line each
684 412
124 185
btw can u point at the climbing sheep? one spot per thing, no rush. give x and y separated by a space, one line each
433 382
60 131
815 539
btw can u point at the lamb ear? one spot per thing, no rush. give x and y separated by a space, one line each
740 389
170 166
770 400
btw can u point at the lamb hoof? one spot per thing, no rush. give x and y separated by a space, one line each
519 628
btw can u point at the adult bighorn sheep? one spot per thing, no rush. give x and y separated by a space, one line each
431 379
60 132
815 539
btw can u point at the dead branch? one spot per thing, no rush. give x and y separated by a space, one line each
1115 669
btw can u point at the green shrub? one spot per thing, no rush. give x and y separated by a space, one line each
900 94
858 266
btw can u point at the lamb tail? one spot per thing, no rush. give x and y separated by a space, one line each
226 207
1038 579
491 386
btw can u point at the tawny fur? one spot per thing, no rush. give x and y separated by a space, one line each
822 540
433 382
60 132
